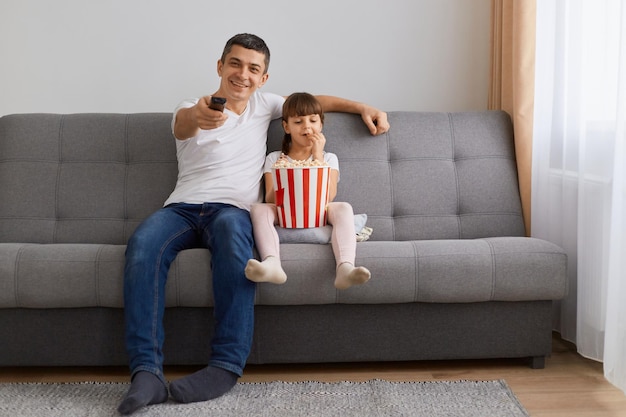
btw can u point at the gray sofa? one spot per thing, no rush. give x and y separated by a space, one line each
453 276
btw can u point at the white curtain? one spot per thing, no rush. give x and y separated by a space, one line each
579 169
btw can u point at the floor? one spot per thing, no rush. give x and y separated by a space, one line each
569 386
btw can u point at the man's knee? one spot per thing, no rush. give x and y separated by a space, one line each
232 230
233 222
148 243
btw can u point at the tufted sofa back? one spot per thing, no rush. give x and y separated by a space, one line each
92 178
82 178
432 176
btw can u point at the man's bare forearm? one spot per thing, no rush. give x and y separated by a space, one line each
338 104
185 125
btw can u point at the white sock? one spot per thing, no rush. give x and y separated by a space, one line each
349 275
270 270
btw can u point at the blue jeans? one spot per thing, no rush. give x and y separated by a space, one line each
227 232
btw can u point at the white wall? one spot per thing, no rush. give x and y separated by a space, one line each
68 56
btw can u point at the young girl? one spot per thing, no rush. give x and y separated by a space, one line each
303 119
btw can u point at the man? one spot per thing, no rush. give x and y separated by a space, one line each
220 162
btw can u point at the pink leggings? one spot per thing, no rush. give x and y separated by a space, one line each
340 216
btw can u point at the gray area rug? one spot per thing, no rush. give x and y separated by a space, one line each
275 399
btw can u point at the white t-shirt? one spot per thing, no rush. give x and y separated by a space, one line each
225 165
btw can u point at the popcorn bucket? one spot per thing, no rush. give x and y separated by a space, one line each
301 196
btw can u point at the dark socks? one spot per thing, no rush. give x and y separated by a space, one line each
204 385
145 389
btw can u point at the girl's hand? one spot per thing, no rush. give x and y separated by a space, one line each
318 140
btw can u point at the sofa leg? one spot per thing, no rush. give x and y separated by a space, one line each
537 362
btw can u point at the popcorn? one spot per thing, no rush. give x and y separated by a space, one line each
284 162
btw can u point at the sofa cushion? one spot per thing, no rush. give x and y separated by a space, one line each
442 271
320 235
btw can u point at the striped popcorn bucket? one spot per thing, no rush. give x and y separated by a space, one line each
301 196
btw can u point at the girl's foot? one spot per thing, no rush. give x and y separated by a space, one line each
269 270
349 275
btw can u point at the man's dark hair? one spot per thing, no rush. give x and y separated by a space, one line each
248 41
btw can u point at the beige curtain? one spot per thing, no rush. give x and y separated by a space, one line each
513 81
